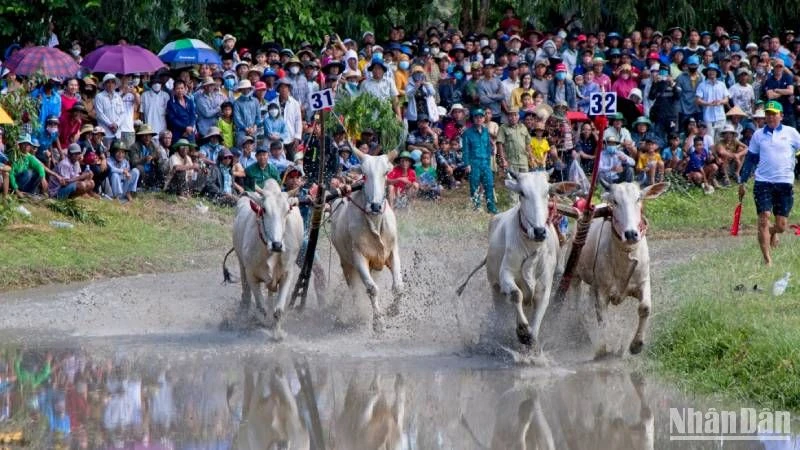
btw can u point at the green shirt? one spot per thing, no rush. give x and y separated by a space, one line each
256 176
22 164
515 140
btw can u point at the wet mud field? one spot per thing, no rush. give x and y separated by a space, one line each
152 362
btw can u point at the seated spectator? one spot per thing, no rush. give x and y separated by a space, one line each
615 166
5 171
674 156
85 137
450 169
429 186
277 157
163 150
618 131
650 165
402 181
98 165
212 147
49 152
28 175
144 157
74 181
700 167
257 174
347 160
643 130
637 97
424 138
223 188
586 147
181 170
123 178
729 150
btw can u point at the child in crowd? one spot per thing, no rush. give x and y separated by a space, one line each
347 160
700 167
402 181
650 165
540 147
429 186
673 155
225 124
277 157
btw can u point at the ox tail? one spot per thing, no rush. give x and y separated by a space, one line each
461 288
226 274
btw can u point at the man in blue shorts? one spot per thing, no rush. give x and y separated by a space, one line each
772 154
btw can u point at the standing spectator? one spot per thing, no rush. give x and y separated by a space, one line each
124 179
779 86
513 142
153 107
88 94
772 155
477 154
540 81
109 109
525 86
246 112
69 125
130 105
451 87
298 82
491 93
208 104
712 95
421 97
742 94
625 82
381 86
50 100
292 115
687 82
69 98
665 94
181 114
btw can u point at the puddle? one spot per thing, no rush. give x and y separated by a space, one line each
148 400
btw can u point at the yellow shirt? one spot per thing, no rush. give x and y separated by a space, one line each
516 96
539 150
645 159
401 80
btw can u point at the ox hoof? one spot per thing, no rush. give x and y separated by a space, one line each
377 325
278 334
636 346
277 315
524 335
394 308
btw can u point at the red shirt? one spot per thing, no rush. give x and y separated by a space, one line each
67 127
397 172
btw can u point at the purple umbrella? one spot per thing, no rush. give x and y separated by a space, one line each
47 61
122 59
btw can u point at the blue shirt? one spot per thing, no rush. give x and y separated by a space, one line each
667 153
696 161
179 117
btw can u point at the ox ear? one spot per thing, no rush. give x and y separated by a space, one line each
513 185
256 208
654 190
564 188
293 201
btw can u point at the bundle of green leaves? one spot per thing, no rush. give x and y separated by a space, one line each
367 111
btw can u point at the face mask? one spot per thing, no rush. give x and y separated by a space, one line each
136 82
458 75
294 70
217 42
561 76
483 42
248 94
170 84
378 55
735 47
417 77
314 74
230 83
52 130
663 73
352 85
76 52
403 65
611 149
156 87
273 113
693 69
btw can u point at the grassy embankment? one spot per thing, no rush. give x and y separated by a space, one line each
154 233
711 338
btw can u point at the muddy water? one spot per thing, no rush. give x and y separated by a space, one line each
142 363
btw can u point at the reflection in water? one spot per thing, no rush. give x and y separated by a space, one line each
72 400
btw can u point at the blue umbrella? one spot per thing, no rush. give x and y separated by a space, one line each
189 51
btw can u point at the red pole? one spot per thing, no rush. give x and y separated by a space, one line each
585 220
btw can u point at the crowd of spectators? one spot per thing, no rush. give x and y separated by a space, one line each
692 99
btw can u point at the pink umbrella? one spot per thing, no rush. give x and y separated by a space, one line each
47 61
122 59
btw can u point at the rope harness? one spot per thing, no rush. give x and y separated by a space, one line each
260 218
552 216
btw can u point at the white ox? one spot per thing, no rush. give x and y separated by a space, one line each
364 232
615 260
523 250
267 236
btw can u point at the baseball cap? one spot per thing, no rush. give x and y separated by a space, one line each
773 106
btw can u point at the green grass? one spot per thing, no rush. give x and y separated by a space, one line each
711 339
153 233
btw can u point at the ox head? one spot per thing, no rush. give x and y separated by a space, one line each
626 201
272 207
375 169
534 191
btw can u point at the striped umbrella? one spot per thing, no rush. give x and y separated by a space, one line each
189 51
46 61
122 59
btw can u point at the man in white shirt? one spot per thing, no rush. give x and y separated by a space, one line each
380 86
154 107
292 115
130 104
772 154
109 109
712 94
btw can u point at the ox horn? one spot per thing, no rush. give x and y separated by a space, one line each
392 155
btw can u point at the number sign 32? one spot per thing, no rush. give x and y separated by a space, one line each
603 103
